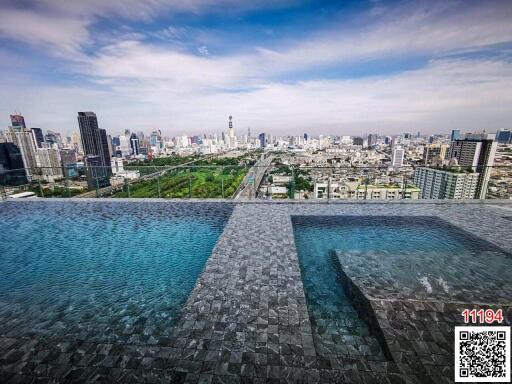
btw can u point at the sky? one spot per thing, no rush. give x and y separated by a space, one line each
280 66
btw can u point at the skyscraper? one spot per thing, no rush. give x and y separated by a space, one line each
23 138
455 134
372 140
38 136
477 152
18 121
504 136
134 144
95 146
263 140
11 165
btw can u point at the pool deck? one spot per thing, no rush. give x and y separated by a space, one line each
247 320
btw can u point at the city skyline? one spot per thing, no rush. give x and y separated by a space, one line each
285 67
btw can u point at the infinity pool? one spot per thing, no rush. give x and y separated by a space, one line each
404 257
102 271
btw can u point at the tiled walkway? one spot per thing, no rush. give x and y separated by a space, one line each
246 319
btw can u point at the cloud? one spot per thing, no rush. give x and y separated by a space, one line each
47 31
190 90
447 94
203 50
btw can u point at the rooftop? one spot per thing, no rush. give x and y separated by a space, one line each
247 318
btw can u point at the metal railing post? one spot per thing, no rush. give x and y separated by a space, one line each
222 181
128 187
40 187
329 188
67 185
97 187
292 191
158 185
366 187
404 187
189 186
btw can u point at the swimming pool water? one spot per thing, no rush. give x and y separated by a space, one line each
102 271
337 327
412 257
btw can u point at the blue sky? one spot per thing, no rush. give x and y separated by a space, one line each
283 66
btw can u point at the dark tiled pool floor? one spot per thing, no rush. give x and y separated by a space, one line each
247 319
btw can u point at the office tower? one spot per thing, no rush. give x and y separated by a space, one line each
306 137
154 138
115 141
476 151
248 132
134 144
397 157
358 141
11 165
95 146
455 135
504 136
38 136
435 152
387 140
18 121
263 141
372 140
24 139
445 184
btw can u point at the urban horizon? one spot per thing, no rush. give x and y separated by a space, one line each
243 131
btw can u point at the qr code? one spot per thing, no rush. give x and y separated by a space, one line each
482 354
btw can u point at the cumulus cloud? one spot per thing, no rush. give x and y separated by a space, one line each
190 91
465 94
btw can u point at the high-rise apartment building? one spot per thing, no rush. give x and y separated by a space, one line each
50 162
95 146
477 152
445 184
23 138
397 156
433 152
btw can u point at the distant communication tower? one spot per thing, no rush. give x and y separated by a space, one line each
231 130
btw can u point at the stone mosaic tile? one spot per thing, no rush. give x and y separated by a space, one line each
247 319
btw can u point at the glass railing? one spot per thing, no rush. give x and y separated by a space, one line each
266 182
